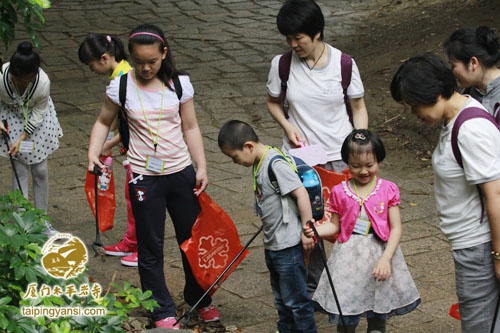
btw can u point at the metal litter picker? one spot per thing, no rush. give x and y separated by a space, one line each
97 245
323 257
6 140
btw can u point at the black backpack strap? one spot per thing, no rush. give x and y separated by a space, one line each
122 114
270 171
123 90
346 72
290 160
177 85
286 201
284 72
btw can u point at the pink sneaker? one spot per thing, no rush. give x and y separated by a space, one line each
209 314
130 260
120 249
168 322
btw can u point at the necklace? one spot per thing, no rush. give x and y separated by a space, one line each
155 139
23 104
362 200
316 62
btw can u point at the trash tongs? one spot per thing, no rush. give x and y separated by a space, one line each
97 245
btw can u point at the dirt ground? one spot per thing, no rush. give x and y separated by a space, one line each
395 32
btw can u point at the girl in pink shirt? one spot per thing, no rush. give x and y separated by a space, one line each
168 162
367 266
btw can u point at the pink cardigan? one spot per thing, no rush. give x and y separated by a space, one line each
344 202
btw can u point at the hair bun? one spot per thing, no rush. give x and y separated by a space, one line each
488 38
25 48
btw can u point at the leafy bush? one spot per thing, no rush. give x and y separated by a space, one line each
30 12
21 236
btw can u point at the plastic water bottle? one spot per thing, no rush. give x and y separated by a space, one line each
128 168
107 172
311 182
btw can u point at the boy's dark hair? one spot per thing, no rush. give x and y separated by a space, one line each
95 45
234 133
300 16
148 34
24 61
358 141
421 79
482 43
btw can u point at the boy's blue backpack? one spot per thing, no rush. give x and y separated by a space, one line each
310 179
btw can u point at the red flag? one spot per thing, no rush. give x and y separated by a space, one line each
213 245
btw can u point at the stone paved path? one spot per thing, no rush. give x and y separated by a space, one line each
226 46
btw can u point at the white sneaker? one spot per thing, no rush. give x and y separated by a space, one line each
50 231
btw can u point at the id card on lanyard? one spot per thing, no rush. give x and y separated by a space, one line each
26 146
153 163
363 225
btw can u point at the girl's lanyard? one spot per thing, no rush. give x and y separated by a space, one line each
362 225
25 146
152 163
254 173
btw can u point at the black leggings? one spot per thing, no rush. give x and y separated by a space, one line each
151 197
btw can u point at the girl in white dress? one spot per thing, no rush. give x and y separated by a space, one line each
32 124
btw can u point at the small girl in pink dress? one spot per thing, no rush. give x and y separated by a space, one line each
367 266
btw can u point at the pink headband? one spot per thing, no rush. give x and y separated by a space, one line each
141 33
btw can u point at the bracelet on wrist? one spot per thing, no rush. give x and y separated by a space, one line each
495 255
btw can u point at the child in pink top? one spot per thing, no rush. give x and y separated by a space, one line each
105 55
168 161
367 266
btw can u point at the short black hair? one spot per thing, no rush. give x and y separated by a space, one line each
421 79
234 133
301 16
360 141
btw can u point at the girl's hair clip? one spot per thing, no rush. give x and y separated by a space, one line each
108 38
360 136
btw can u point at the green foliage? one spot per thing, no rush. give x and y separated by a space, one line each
21 236
26 12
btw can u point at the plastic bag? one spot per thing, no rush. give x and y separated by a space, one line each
213 245
454 312
106 197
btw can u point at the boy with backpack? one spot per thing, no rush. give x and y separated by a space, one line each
284 241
